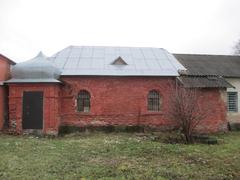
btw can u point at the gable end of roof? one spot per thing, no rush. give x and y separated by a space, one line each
119 61
7 59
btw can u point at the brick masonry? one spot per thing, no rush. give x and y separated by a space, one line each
216 120
123 101
51 106
114 101
4 75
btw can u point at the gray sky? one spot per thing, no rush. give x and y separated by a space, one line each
180 26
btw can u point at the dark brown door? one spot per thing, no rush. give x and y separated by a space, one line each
32 110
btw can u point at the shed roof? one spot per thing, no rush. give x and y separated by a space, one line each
97 60
204 82
221 65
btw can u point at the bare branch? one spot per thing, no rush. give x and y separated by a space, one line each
186 111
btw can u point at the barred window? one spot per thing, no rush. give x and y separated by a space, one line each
153 101
83 101
232 101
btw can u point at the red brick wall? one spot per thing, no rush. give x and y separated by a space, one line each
4 69
123 101
114 101
2 105
216 120
50 105
4 75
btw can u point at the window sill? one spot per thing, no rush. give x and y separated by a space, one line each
85 113
232 112
152 113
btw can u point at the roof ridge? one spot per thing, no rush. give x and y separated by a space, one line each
106 46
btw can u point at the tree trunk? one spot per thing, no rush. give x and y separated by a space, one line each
188 138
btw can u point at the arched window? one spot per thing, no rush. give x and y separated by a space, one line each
83 101
153 101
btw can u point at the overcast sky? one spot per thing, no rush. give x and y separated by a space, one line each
180 26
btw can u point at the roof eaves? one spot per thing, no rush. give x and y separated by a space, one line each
204 82
7 59
31 81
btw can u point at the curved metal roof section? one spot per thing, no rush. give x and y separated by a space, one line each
38 69
97 60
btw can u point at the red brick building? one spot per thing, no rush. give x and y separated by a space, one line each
5 64
102 86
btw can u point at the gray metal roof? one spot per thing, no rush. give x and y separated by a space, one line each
32 81
221 65
38 69
204 82
97 60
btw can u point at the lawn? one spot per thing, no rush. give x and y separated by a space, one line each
117 156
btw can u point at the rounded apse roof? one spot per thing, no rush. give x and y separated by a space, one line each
38 69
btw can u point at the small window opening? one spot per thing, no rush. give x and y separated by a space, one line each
232 98
83 101
153 101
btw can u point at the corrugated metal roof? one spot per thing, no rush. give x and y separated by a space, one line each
97 60
204 82
221 65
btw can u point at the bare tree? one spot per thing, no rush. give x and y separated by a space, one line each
186 111
237 48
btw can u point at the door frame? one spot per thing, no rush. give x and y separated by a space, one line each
42 108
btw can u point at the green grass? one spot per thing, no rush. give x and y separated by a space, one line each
117 156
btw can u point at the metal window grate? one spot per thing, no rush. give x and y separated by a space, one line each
153 101
83 101
232 101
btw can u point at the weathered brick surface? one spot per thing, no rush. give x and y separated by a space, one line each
4 75
50 105
114 101
215 99
123 101
2 104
